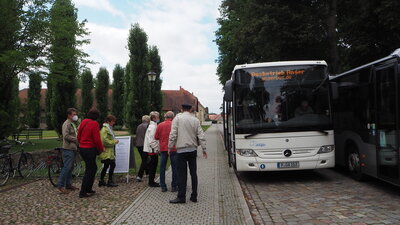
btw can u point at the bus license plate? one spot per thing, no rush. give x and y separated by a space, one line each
288 164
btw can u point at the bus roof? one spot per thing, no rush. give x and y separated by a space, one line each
280 63
395 54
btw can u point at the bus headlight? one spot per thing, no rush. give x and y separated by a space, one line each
326 149
246 152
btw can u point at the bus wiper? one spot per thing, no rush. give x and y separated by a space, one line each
320 85
250 135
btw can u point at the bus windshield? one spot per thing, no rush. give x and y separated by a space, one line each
282 98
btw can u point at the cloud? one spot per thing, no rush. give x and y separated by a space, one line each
107 46
103 5
183 30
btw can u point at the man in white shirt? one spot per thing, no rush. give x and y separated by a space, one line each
186 134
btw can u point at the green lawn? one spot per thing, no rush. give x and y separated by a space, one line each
205 127
37 144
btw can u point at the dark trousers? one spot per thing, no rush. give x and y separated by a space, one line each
183 160
89 157
143 165
152 166
108 163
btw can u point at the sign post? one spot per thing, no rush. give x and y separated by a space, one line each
122 152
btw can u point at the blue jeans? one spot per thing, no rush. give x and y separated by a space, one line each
163 165
66 172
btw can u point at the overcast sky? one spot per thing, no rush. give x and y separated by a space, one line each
183 30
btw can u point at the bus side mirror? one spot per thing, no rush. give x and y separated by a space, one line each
228 96
334 90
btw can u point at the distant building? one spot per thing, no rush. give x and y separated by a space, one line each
215 118
172 101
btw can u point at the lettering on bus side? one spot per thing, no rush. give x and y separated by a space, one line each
257 144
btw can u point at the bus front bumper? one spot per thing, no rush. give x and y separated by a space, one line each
318 161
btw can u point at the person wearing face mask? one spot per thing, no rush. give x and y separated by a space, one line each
70 146
108 156
152 147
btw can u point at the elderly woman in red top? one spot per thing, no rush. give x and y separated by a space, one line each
89 146
162 135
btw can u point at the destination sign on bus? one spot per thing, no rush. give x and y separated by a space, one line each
278 75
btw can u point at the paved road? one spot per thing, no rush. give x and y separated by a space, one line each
320 197
220 199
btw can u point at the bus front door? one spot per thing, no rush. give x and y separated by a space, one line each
387 145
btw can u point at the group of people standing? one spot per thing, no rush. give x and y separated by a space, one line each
91 142
177 138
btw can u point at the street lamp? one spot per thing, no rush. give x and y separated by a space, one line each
152 77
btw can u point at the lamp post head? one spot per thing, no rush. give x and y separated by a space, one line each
152 76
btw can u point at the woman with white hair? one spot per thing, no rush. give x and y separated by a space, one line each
152 148
140 133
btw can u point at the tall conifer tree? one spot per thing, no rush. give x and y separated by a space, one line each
102 86
138 97
65 58
118 94
87 94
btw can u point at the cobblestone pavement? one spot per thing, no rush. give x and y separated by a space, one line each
40 203
220 199
319 197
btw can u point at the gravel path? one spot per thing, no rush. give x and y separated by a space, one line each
40 203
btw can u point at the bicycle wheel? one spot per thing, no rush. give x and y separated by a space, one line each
25 165
54 171
4 170
76 172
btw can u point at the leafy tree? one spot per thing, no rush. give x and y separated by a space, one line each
127 91
66 36
138 97
258 31
103 83
118 94
34 100
87 94
23 47
367 30
155 66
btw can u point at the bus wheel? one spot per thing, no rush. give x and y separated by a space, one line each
354 164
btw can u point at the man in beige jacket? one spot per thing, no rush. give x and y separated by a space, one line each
70 146
186 134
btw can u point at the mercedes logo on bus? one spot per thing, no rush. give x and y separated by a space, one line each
287 153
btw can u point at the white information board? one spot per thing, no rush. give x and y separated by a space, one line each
122 152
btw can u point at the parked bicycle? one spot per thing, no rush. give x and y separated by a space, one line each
55 165
8 168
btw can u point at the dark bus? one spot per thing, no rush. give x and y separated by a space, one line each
366 119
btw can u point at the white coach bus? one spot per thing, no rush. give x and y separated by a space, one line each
277 116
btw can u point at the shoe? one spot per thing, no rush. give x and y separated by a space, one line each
85 195
111 184
174 189
72 188
193 199
62 190
154 184
164 189
138 179
102 183
177 201
91 192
